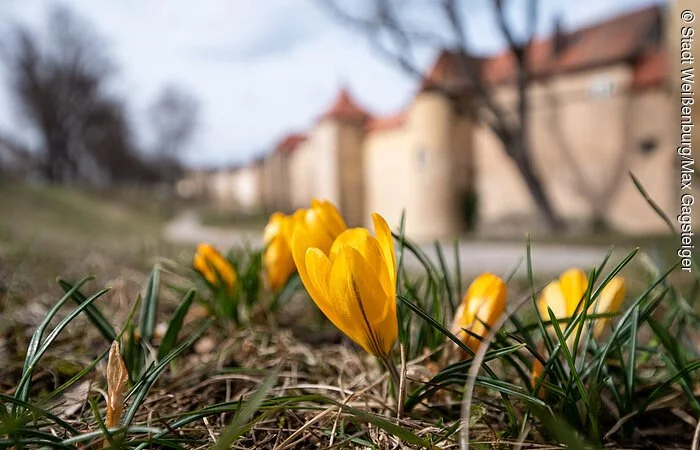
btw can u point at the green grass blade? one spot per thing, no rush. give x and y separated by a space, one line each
562 430
35 340
100 423
430 268
25 381
140 390
290 287
175 325
632 363
416 309
553 368
621 326
21 443
149 305
677 359
40 412
687 370
446 276
401 247
574 373
657 209
92 312
509 389
379 421
455 373
616 270
75 377
458 269
240 422
579 321
86 437
437 325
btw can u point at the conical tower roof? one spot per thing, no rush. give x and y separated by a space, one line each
346 108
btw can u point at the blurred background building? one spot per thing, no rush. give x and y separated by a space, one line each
599 104
530 122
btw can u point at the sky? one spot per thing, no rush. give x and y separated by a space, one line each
263 68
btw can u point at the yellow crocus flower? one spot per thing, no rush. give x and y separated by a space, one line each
564 295
483 303
318 225
352 281
609 301
537 369
214 267
277 258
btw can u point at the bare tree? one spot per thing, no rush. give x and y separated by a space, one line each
108 136
599 191
173 116
59 85
393 37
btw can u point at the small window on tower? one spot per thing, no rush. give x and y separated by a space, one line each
601 87
647 146
422 158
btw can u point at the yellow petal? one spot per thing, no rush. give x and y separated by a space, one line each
288 226
609 301
226 272
573 284
368 247
386 243
329 216
352 237
314 225
537 369
274 227
379 306
484 303
201 266
206 250
348 305
359 295
319 272
553 298
209 262
278 261
302 240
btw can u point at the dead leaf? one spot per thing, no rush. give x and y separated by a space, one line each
116 385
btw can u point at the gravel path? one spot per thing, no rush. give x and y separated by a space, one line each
475 257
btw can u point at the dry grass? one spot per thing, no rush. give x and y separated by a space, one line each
327 394
50 231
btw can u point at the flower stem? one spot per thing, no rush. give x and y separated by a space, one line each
393 371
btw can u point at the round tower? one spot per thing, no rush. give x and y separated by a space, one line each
340 134
440 146
432 209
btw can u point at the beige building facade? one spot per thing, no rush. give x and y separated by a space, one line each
238 190
601 105
588 131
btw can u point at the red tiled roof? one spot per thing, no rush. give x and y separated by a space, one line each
447 72
345 108
651 70
624 38
387 122
290 142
